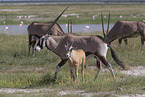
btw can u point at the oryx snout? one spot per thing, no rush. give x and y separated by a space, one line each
37 48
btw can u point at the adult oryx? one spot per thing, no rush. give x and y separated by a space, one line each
89 44
123 30
50 29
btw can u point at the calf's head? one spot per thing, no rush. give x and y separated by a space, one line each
69 50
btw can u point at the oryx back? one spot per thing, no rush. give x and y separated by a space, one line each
91 44
39 29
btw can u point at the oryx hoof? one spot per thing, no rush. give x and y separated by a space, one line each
54 79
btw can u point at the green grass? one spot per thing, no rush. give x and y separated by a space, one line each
18 70
46 13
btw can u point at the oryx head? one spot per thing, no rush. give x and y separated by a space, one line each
105 36
42 42
69 49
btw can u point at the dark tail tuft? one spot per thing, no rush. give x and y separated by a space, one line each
116 58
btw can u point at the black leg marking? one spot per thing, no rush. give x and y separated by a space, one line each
58 66
98 64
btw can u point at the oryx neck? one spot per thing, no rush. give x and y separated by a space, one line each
107 39
52 43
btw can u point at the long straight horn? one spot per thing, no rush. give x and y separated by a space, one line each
56 20
108 22
102 25
68 25
71 26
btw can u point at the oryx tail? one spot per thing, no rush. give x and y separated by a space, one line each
115 58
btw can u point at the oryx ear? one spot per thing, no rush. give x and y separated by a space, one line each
65 47
67 44
72 43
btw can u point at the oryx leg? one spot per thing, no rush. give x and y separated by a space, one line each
120 42
99 66
108 65
33 41
142 38
142 41
71 71
33 48
87 54
125 40
63 61
29 45
76 71
83 64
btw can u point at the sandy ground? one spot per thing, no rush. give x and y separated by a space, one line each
135 71
61 93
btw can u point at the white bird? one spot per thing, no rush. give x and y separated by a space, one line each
29 17
6 28
87 27
4 22
120 16
22 22
20 25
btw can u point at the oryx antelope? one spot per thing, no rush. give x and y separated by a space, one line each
36 30
89 44
45 29
125 29
75 58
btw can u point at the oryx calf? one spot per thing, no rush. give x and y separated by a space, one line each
75 58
